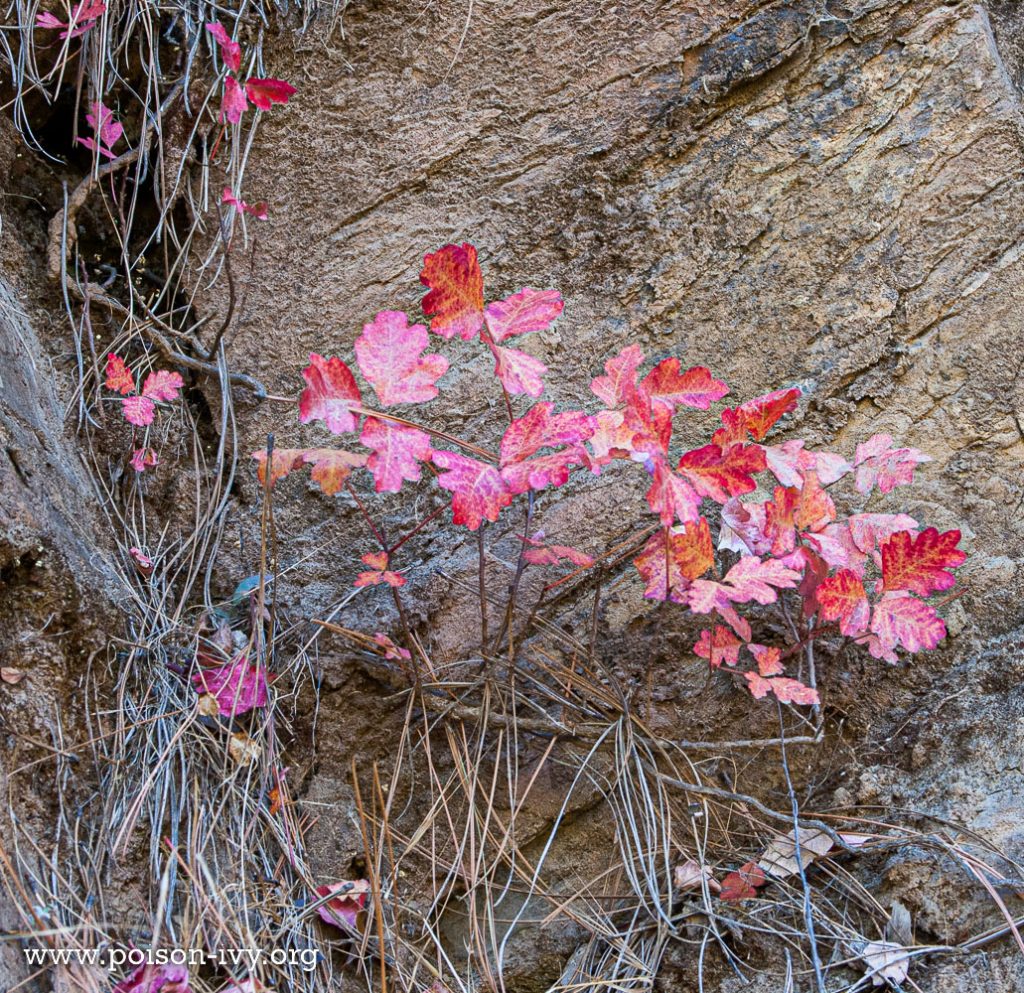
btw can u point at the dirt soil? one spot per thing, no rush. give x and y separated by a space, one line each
791 193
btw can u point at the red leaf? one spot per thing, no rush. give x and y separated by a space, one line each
162 385
842 598
695 387
478 491
138 410
878 462
282 462
233 104
397 453
667 565
721 474
536 430
143 459
390 356
456 297
119 376
342 910
265 92
523 312
378 572
230 51
919 564
332 467
904 620
258 210
618 385
762 412
670 496
743 884
519 372
330 395
237 687
722 646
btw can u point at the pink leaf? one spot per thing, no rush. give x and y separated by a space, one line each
748 579
258 210
536 430
152 978
456 297
478 491
143 459
330 395
670 496
721 646
233 104
904 620
238 686
142 561
230 51
519 372
104 127
541 554
138 410
391 650
378 572
793 691
342 910
758 685
879 463
618 385
265 92
162 385
390 356
397 452
45 19
695 387
523 312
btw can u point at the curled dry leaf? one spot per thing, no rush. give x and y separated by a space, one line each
886 962
689 876
243 749
207 705
779 858
11 676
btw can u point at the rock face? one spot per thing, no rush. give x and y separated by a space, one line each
822 195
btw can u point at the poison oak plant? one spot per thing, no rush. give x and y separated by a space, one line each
775 538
